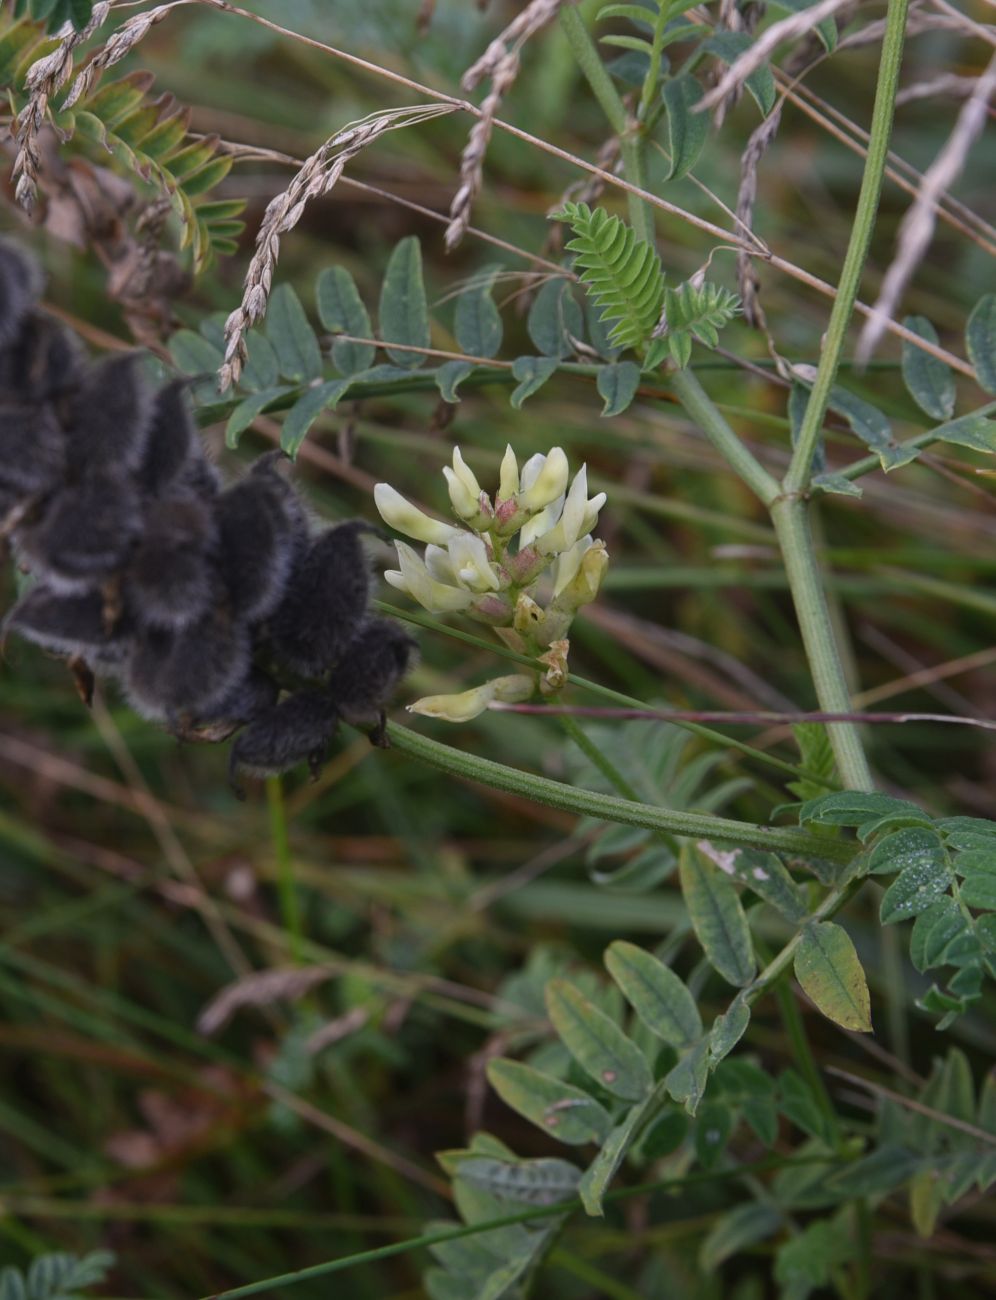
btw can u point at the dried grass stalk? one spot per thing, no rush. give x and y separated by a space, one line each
45 78
315 178
917 227
261 989
948 84
500 63
122 42
788 29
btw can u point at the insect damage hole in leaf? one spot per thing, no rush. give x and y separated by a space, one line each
828 968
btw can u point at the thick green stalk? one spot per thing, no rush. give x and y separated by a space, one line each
806 583
607 807
713 424
630 144
797 478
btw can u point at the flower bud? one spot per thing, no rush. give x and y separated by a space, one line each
549 483
567 530
591 513
529 616
408 519
468 704
584 585
415 578
508 480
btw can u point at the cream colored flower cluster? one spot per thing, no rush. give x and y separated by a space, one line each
523 563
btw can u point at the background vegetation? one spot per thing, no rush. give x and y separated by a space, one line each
391 929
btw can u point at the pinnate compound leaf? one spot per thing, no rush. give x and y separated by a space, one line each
827 967
622 273
852 808
597 1043
980 340
291 336
341 311
687 132
655 993
617 385
928 379
716 914
569 1113
404 312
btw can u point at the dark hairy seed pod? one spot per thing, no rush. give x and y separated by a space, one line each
42 363
325 601
298 729
261 530
366 676
86 531
171 440
32 451
170 580
109 417
69 625
20 285
174 676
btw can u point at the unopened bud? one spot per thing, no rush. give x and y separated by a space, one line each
415 578
408 519
584 586
550 482
468 704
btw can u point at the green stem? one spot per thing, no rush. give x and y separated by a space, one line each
801 464
290 904
707 416
789 515
630 142
607 807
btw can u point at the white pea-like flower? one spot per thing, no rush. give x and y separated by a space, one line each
522 563
408 519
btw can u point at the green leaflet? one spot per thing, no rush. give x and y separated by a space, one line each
716 913
568 1113
291 336
532 373
341 310
655 993
734 1231
555 319
602 1169
598 1044
477 321
827 967
621 273
930 381
404 312
980 341
617 385
687 132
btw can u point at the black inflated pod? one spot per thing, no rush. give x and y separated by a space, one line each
171 579
110 415
32 452
173 677
261 532
171 440
86 531
20 286
368 674
325 603
297 730
70 625
43 362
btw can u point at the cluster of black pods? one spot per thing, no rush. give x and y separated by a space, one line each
218 610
